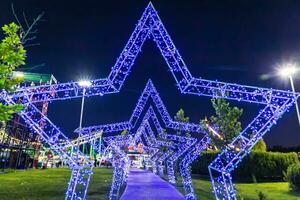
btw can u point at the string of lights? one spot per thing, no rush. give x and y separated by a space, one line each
191 155
151 144
120 162
150 26
80 165
276 103
145 127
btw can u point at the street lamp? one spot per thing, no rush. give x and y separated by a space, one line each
18 74
288 71
84 84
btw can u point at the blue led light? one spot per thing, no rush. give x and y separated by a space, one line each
81 166
276 103
186 148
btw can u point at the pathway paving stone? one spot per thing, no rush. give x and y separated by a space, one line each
144 185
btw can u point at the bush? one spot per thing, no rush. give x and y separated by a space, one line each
260 146
293 176
262 196
239 197
200 166
258 166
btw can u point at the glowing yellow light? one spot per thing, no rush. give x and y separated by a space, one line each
19 74
214 132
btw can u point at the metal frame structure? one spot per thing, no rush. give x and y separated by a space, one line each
20 148
120 163
83 140
80 165
152 146
144 126
275 102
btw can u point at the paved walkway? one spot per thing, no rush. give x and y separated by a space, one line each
144 185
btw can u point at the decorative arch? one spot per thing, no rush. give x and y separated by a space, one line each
179 148
150 26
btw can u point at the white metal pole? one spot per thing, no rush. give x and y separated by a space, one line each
297 107
100 143
80 120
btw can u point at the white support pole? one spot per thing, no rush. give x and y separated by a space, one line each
99 148
297 107
80 120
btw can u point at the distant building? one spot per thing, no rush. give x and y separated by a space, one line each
19 147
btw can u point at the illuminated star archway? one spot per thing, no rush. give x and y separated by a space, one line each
144 126
275 102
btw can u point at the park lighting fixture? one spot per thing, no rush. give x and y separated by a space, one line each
18 74
214 132
84 83
288 70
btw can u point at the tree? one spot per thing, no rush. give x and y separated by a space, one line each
124 132
180 117
293 176
260 146
225 125
12 56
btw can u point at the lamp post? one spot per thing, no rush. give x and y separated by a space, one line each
287 71
84 84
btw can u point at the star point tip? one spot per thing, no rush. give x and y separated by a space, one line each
150 4
149 81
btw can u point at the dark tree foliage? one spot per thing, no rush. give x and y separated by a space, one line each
124 132
180 117
12 56
293 177
225 123
260 146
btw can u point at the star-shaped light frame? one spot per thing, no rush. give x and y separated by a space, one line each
276 102
81 166
139 125
152 145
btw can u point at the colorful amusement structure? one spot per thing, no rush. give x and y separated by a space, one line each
275 103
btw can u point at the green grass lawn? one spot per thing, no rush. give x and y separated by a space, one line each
273 191
50 184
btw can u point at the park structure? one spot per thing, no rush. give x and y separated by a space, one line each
159 139
20 148
275 103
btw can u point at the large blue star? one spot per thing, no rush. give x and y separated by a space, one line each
140 130
276 102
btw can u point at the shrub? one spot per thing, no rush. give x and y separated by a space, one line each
293 176
262 196
239 197
260 146
258 166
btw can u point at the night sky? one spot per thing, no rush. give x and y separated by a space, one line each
235 41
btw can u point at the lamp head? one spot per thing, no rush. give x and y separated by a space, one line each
84 83
287 70
18 74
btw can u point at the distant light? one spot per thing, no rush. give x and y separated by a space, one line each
287 70
84 83
18 74
214 132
